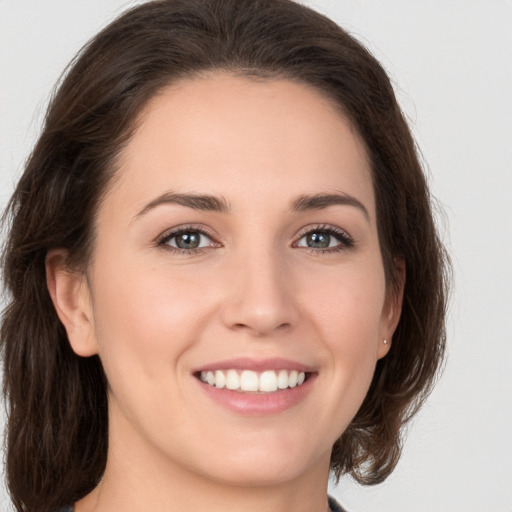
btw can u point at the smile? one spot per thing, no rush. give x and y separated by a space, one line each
249 381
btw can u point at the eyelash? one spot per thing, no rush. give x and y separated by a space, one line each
163 240
346 242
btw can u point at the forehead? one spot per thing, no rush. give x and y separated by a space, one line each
252 139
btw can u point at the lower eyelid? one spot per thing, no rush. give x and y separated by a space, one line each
343 238
164 240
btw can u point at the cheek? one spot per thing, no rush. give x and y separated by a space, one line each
346 314
143 318
347 305
144 322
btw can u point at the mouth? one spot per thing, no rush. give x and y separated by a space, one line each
250 386
253 382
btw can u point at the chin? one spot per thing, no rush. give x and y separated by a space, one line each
264 475
265 466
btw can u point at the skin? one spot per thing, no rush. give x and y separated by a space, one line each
254 289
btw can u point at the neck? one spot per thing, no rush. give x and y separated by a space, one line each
132 494
139 477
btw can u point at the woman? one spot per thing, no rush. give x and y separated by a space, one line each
225 278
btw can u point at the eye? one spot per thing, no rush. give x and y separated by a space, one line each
186 240
325 239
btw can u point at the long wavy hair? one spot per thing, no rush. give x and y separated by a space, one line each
57 425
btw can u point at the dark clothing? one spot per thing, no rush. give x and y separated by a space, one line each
333 505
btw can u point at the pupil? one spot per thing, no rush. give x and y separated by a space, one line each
187 240
319 240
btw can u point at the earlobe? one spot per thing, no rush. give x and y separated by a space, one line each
383 348
71 298
392 311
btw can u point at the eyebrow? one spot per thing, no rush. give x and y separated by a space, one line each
209 203
202 202
321 201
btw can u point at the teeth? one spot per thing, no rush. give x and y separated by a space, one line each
249 381
232 380
282 379
220 379
268 381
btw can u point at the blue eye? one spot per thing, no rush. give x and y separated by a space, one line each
317 240
325 239
187 240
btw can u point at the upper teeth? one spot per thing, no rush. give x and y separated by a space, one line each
248 380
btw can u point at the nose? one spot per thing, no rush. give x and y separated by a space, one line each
260 300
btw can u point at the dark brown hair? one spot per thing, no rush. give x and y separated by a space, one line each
57 407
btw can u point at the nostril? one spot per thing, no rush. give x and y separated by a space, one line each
262 328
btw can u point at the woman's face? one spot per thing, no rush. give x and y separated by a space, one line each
237 245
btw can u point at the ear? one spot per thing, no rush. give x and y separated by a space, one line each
392 310
71 298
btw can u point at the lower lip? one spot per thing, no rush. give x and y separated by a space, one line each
259 404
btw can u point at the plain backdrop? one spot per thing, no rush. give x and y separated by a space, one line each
451 64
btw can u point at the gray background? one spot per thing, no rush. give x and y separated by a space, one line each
451 63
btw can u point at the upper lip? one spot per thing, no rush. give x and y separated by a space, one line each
257 365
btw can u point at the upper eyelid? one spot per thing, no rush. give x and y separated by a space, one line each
172 232
169 233
323 227
345 239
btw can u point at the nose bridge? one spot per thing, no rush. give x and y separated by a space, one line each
260 298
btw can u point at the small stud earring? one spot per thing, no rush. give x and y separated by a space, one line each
385 342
